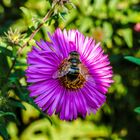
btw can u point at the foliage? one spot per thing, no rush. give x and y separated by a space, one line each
108 21
133 59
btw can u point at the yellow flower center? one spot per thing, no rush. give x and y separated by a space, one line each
72 82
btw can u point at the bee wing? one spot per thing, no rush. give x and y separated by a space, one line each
84 72
61 72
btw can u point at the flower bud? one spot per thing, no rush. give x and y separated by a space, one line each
137 27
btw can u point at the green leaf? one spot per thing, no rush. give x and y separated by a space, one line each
27 15
17 103
108 30
133 59
62 15
19 73
2 114
5 51
52 18
98 4
137 110
50 1
21 91
4 67
3 131
26 11
87 24
18 63
128 37
112 5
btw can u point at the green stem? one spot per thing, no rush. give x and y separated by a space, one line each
48 15
37 29
13 64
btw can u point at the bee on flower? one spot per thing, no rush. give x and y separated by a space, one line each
69 75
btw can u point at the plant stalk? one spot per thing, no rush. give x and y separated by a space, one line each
48 15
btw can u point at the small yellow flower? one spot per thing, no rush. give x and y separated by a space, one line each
14 36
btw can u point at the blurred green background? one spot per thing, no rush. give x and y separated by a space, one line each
109 21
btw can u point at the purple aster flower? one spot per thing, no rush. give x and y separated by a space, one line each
69 75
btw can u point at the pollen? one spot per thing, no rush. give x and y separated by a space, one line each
72 82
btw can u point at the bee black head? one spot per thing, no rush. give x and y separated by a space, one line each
74 53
